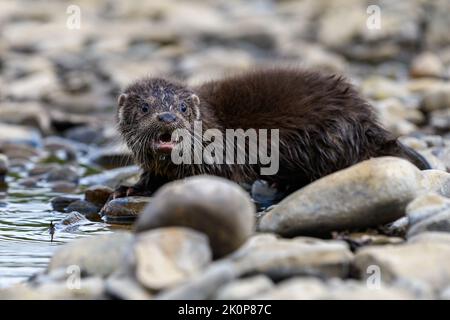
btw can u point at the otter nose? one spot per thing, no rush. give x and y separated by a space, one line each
167 117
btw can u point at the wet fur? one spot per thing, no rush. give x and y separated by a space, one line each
323 122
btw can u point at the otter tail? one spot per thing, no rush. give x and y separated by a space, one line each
412 155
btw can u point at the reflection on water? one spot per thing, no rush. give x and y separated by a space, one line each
25 246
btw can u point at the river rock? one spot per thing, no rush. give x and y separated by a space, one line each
430 236
426 64
440 120
31 114
60 203
85 134
42 168
98 195
114 177
125 288
203 285
20 151
60 149
415 143
423 265
368 194
112 157
63 173
437 98
91 288
124 210
443 154
63 187
72 222
168 256
95 255
29 182
245 288
397 117
264 195
434 140
429 212
380 88
19 134
89 210
426 206
437 181
212 205
282 258
336 289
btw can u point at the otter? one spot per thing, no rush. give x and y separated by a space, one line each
324 125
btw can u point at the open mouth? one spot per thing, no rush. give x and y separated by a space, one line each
164 143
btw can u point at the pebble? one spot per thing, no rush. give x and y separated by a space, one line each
85 134
246 288
18 134
98 256
264 195
89 210
166 257
20 151
71 222
421 265
113 178
64 187
91 288
31 114
112 157
437 181
282 258
203 285
60 149
125 288
42 169
426 64
124 210
440 120
63 173
437 98
313 289
98 195
60 203
429 212
212 205
430 236
371 193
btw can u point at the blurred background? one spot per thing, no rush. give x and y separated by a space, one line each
63 64
56 78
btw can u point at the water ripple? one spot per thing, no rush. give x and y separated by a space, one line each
25 246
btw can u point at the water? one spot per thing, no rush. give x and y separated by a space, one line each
25 246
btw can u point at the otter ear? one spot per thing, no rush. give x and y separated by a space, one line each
121 100
195 99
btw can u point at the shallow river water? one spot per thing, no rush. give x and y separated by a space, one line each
25 246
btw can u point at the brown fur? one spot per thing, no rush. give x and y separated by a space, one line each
323 122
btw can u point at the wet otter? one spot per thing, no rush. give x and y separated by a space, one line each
324 125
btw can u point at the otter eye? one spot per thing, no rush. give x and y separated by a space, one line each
145 108
183 107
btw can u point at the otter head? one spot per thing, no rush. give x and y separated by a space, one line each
150 110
